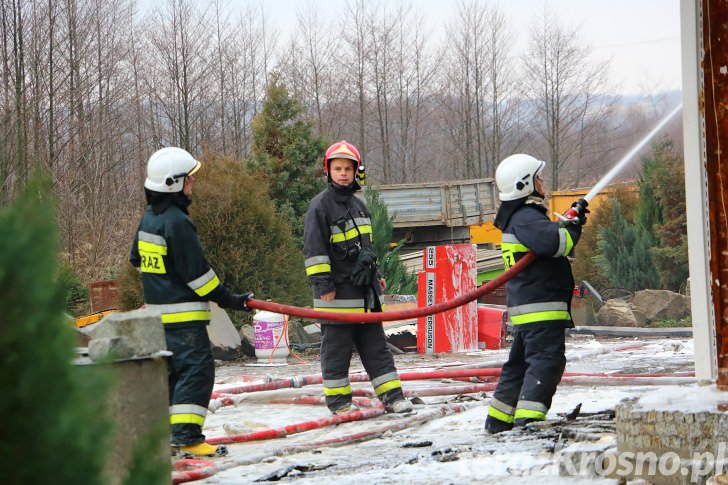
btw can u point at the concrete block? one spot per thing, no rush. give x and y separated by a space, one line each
663 423
138 403
112 348
138 333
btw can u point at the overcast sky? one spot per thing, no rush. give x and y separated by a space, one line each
642 37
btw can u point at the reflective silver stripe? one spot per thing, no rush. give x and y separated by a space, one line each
336 382
537 307
360 221
152 238
188 409
202 280
381 299
356 303
510 238
502 407
317 260
532 406
562 244
389 376
179 307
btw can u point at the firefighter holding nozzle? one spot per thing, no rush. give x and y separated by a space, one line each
538 298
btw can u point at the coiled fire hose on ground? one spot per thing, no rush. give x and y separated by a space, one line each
398 315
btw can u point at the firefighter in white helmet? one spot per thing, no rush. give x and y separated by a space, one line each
179 284
538 298
341 266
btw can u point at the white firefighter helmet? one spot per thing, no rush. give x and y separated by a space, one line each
167 169
516 176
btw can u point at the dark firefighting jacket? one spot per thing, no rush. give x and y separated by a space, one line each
540 295
337 226
178 281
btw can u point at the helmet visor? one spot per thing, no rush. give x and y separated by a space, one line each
195 168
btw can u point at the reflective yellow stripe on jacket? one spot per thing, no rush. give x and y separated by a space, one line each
354 305
182 312
152 248
539 312
510 247
205 283
354 228
318 265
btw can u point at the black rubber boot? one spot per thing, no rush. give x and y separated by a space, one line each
493 426
521 422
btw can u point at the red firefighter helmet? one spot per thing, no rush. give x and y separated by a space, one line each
342 149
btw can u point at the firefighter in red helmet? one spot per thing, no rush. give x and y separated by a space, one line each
341 266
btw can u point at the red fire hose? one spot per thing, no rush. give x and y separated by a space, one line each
362 402
284 431
190 470
318 379
301 381
500 280
420 418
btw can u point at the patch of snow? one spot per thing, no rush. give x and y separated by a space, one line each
453 449
694 398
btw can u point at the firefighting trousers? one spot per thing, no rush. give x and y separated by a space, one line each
529 378
191 376
336 352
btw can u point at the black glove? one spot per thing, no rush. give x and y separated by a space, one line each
580 206
364 268
235 301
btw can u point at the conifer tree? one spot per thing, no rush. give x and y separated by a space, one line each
247 243
671 250
648 212
584 265
399 280
624 254
49 408
288 155
55 425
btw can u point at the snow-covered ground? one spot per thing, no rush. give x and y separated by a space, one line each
451 449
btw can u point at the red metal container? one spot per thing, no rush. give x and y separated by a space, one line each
492 320
449 271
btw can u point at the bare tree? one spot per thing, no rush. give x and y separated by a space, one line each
414 74
89 88
14 155
181 61
223 39
381 28
249 55
310 70
502 132
481 103
353 65
565 85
